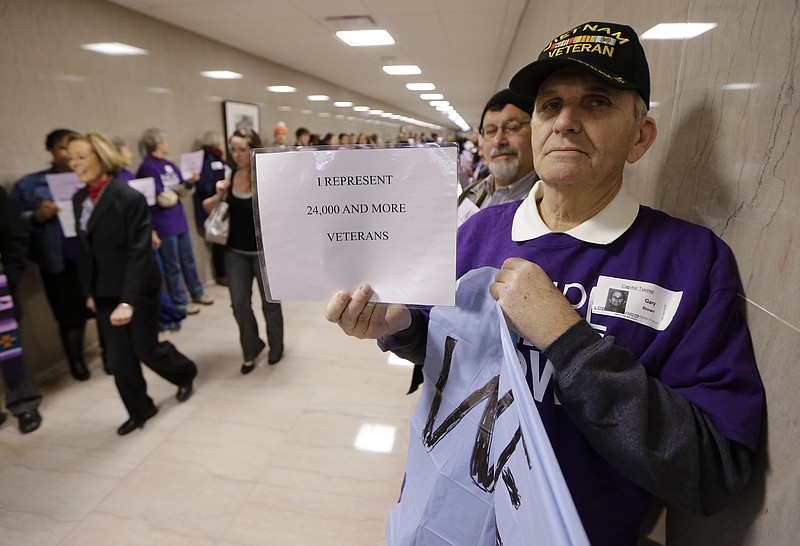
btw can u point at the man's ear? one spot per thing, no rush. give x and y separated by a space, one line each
647 135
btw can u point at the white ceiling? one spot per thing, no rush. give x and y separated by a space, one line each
460 45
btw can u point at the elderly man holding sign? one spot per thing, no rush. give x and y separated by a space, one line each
636 403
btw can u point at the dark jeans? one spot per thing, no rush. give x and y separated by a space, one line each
240 270
179 266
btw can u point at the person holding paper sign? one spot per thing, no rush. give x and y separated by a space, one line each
170 223
214 169
636 404
55 254
120 279
241 256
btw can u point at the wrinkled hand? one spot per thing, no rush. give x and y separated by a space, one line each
533 306
46 210
121 315
357 317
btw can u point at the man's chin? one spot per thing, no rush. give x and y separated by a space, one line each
504 170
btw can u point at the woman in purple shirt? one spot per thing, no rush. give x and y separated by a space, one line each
169 222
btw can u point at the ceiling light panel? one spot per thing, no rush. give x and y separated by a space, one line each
318 98
221 75
363 38
281 89
402 69
677 31
420 86
115 48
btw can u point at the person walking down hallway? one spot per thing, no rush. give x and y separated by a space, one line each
120 279
22 396
54 253
170 224
241 256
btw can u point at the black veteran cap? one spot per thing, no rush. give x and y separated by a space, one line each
506 96
607 50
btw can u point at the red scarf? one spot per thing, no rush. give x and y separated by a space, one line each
94 191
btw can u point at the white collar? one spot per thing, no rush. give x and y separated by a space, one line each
602 228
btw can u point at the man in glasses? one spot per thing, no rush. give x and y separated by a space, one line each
506 145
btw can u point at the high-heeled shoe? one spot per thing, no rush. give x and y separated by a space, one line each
248 366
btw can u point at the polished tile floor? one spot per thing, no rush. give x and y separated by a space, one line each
308 452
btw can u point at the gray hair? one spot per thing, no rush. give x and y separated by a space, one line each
117 141
211 138
150 141
639 108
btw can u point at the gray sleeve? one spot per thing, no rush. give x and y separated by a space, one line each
645 429
410 344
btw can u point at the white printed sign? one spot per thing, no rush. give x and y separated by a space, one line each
62 187
191 164
331 219
145 186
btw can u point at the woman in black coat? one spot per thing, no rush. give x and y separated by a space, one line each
120 277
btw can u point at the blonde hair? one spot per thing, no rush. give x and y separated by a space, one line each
105 150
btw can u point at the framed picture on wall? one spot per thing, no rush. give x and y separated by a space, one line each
239 115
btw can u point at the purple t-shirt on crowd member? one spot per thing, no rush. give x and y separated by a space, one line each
168 222
126 175
666 290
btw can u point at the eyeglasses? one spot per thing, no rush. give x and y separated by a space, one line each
510 128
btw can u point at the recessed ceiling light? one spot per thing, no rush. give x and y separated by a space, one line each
375 112
402 69
439 103
431 96
318 98
360 38
677 31
445 108
281 89
361 108
115 48
343 104
306 112
284 108
324 115
387 115
420 86
221 75
159 90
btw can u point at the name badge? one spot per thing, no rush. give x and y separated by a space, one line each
637 301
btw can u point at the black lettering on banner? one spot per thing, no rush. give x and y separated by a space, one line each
483 474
